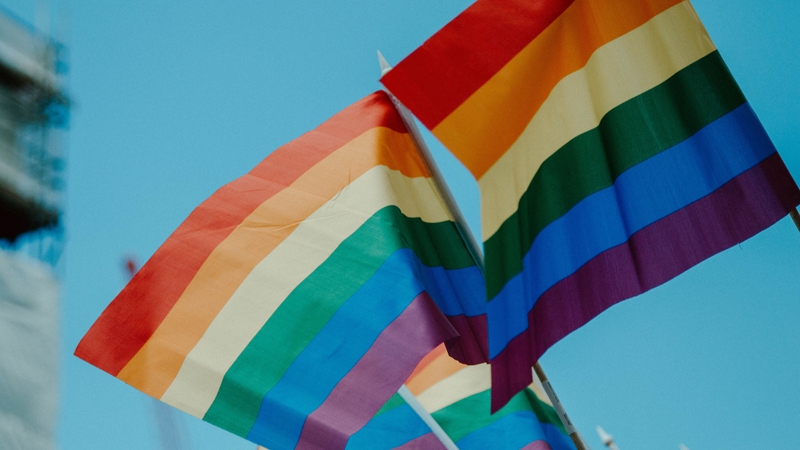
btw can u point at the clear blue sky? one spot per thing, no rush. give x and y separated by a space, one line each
174 99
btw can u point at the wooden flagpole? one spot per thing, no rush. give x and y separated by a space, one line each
469 238
796 217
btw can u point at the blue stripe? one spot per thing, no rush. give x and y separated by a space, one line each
514 432
341 343
389 430
458 291
642 195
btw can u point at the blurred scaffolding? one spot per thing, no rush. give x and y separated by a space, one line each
33 117
34 111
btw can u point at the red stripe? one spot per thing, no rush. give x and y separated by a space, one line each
482 39
173 266
735 212
377 375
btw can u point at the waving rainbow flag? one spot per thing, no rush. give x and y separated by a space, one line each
458 398
294 302
612 148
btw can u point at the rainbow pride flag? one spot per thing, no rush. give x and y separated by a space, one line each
612 148
294 302
458 398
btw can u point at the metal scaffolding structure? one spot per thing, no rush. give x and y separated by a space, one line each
34 112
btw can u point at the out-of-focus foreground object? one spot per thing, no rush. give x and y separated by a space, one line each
29 343
607 439
33 118
33 113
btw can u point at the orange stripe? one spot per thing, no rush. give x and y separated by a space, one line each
439 367
430 357
157 363
482 128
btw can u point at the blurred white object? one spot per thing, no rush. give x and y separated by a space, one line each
607 439
683 447
28 353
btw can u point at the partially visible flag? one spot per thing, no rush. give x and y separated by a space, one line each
458 398
612 148
294 302
395 426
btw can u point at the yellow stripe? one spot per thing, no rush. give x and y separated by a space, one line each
274 278
468 381
482 128
617 72
538 389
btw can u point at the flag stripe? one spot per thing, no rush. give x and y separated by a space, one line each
394 402
389 430
347 336
640 196
360 394
431 358
171 268
516 432
539 445
158 364
621 71
425 442
443 89
472 413
581 52
259 367
629 134
255 238
430 372
468 381
735 212
466 351
291 327
514 93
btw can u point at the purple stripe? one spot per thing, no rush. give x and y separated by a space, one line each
472 345
738 210
365 388
537 445
425 442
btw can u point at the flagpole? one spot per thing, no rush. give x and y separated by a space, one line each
469 238
562 413
427 418
436 174
796 217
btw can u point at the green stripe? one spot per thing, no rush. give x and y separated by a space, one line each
472 413
393 402
310 306
629 134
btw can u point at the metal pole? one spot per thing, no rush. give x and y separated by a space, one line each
427 418
436 174
469 238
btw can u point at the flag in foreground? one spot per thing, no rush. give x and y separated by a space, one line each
294 302
458 397
612 148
